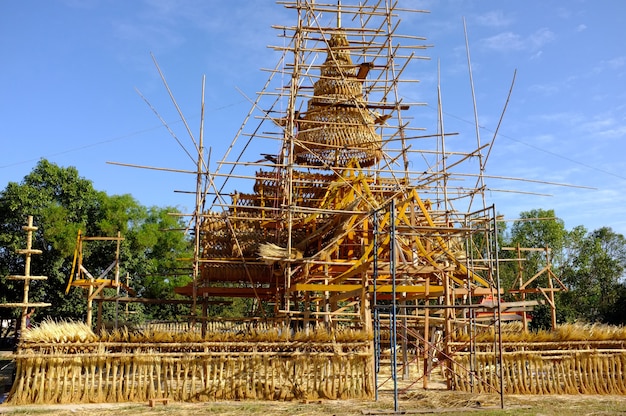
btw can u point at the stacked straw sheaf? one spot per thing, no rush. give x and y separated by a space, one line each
574 372
64 331
513 332
127 365
237 334
572 359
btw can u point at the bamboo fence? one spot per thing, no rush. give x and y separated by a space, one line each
67 363
558 370
100 372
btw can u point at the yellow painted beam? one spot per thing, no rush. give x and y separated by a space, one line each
312 287
433 290
96 282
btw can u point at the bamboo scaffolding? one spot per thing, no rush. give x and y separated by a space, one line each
333 180
26 305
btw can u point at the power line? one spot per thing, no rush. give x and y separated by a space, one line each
534 147
106 141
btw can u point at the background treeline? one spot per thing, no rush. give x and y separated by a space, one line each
62 203
591 264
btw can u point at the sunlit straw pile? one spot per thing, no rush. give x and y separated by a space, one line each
60 332
513 332
67 363
572 359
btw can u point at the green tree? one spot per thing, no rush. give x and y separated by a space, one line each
159 244
62 203
539 228
536 229
594 275
590 264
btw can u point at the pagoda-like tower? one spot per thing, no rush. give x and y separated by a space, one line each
337 127
311 240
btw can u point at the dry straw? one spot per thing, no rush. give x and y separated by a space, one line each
64 331
572 359
513 332
124 365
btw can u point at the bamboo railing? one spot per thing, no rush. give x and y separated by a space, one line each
544 371
130 372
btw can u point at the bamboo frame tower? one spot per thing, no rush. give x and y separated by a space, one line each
354 234
339 223
28 252
93 286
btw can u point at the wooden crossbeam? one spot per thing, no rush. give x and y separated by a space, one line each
311 287
15 277
245 292
25 305
364 69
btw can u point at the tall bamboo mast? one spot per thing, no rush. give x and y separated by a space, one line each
481 166
289 133
197 218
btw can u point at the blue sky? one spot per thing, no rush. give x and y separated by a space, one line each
69 70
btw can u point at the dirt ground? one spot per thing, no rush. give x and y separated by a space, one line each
419 402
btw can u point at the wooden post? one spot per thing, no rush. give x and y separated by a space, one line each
28 252
90 304
426 331
99 318
551 287
520 271
307 311
205 314
449 300
405 343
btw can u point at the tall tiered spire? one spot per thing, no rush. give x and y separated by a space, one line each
337 127
338 13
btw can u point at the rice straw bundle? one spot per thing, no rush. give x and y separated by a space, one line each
65 331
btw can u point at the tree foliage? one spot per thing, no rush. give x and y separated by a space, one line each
594 276
62 203
590 264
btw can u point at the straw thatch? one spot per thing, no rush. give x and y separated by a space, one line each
571 359
124 365
337 127
587 371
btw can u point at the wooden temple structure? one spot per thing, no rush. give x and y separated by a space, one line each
359 234
336 222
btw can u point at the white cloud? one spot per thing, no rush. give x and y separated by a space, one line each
545 89
509 41
615 63
581 27
542 139
506 41
559 117
600 126
537 55
540 38
494 18
606 129
148 34
591 208
614 133
564 13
